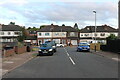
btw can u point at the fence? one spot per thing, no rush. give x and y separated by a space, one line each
112 46
92 46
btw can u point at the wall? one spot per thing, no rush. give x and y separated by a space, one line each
43 35
92 46
19 50
9 52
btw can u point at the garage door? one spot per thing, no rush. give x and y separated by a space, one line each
74 42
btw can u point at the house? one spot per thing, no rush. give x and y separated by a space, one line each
9 34
87 34
60 34
31 40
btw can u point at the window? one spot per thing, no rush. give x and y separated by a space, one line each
102 34
72 34
63 33
86 34
47 34
9 33
81 34
56 33
39 34
95 34
16 33
2 33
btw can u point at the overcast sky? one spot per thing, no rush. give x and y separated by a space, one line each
31 13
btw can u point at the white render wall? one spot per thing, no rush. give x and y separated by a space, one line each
6 33
98 34
43 35
51 34
59 34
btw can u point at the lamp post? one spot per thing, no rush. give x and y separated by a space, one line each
95 29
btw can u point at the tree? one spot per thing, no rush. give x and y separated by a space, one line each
42 26
22 35
12 23
112 37
28 28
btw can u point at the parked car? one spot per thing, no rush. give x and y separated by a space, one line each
53 44
46 49
60 45
83 46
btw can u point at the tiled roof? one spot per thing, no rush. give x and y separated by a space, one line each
11 28
56 28
104 28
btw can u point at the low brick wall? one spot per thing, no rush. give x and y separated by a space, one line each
19 50
92 46
8 53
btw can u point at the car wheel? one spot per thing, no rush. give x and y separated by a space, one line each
51 54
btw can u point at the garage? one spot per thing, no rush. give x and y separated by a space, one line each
74 42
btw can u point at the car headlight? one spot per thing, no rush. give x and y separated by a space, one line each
40 50
88 47
50 49
80 47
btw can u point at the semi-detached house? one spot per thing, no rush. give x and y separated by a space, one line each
87 34
59 34
9 34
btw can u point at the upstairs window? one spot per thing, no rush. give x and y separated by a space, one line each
95 34
72 34
86 34
47 34
39 34
9 33
102 34
16 33
56 34
81 34
2 33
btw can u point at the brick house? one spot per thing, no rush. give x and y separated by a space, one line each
60 34
88 33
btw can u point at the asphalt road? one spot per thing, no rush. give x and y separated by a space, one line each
67 63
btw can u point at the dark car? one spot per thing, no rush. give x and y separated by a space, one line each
46 49
83 47
53 44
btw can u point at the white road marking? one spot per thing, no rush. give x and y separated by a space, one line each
116 59
70 57
72 61
8 62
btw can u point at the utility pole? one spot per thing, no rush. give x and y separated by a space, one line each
95 29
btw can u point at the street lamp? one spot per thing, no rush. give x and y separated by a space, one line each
95 29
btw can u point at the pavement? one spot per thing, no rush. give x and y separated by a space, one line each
12 62
111 55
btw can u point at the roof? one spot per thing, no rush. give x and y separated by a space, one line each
11 28
56 28
103 28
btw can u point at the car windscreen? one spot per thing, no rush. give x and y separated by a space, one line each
45 45
83 44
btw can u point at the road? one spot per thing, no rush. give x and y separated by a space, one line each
67 63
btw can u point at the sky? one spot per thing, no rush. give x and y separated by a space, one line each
35 13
